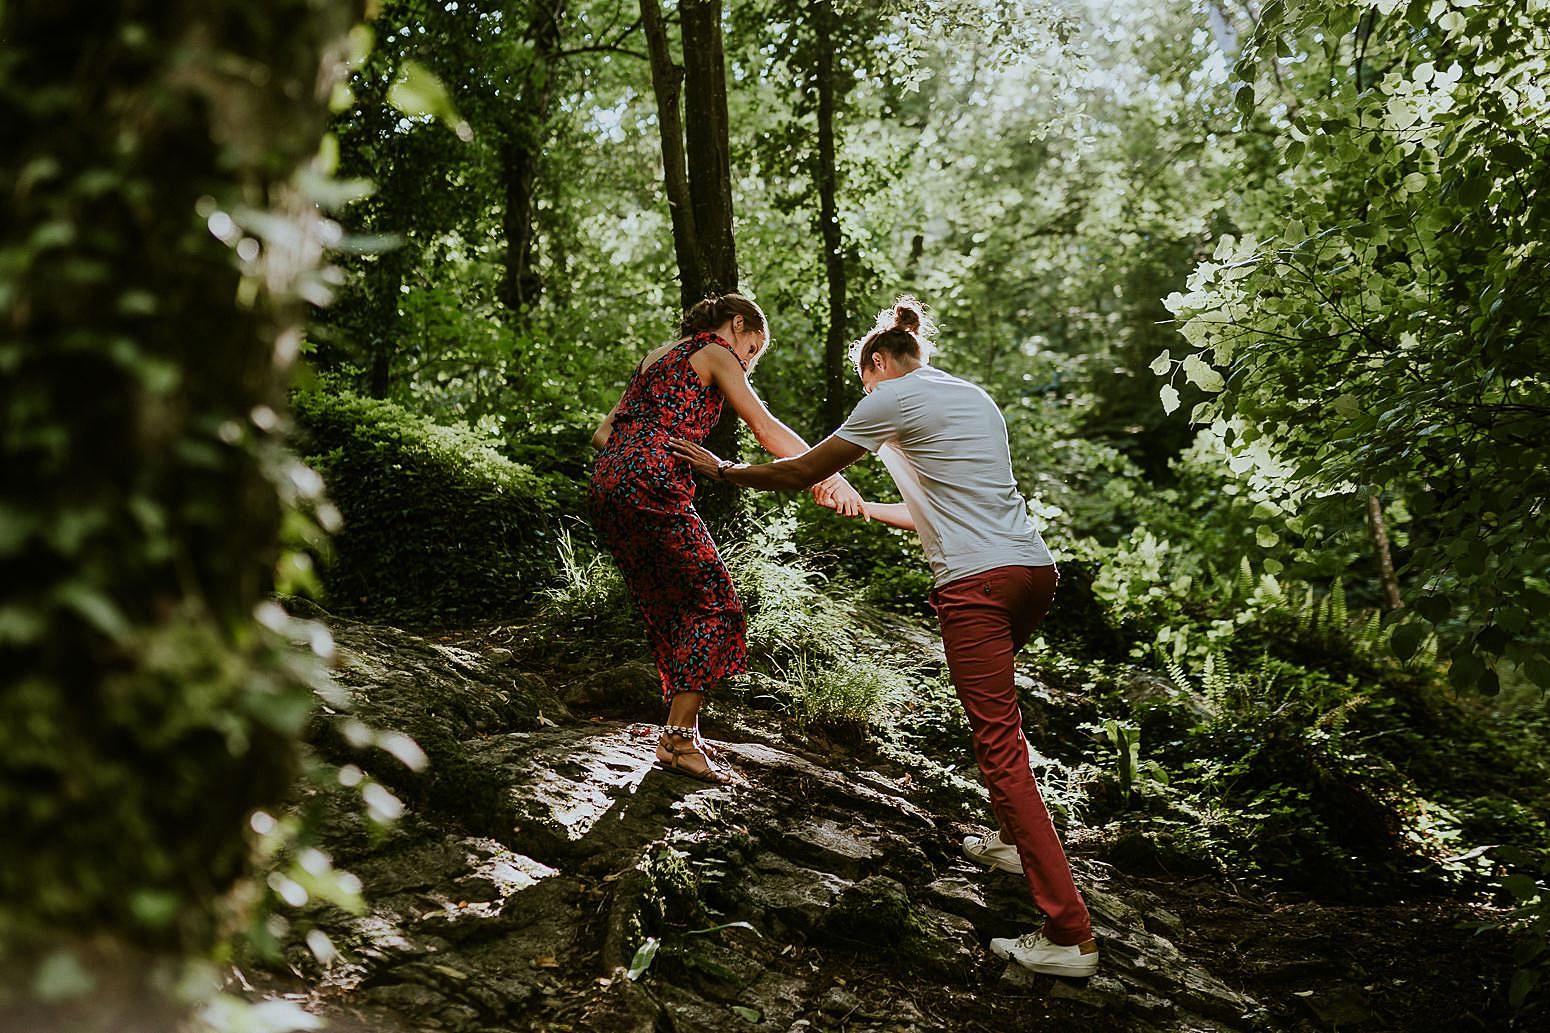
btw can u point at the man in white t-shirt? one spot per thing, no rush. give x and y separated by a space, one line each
944 441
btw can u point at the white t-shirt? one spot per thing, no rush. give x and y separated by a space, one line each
944 441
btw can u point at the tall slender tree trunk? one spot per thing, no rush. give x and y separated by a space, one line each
387 288
667 79
832 413
697 178
1380 544
520 152
708 136
710 195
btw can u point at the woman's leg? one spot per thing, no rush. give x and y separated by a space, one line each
684 713
693 618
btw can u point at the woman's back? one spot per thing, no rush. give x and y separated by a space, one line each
666 397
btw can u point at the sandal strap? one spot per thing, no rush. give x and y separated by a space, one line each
688 744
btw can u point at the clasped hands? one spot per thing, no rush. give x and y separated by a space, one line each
834 492
837 494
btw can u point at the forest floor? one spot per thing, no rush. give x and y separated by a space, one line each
823 891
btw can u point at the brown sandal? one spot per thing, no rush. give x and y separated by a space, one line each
687 746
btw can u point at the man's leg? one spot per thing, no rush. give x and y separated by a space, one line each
983 618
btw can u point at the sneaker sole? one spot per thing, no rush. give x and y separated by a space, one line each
992 862
1070 971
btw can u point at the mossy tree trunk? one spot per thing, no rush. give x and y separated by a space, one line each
158 248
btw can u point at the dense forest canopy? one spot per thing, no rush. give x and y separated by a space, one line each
1259 285
1317 195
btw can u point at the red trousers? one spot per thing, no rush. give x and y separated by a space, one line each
986 618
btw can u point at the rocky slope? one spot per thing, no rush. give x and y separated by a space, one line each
541 850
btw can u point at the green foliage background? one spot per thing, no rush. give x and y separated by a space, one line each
436 523
1319 223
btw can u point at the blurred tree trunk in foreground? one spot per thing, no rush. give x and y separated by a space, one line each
161 236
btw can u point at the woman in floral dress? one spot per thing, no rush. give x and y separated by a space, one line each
641 500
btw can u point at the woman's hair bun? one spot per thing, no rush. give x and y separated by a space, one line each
716 309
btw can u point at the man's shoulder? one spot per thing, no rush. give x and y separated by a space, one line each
941 380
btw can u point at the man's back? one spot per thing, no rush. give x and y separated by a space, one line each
944 441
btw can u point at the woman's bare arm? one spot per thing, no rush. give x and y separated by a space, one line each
606 428
726 373
894 514
823 460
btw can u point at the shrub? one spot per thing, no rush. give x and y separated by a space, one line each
437 525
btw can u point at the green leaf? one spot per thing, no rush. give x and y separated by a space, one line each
1162 364
1200 373
746 1013
1466 669
21 625
1492 639
154 908
1243 100
724 925
418 92
1407 639
1170 398
1524 980
100 611
643 958
1537 671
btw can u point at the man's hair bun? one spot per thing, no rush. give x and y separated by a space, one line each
910 315
904 329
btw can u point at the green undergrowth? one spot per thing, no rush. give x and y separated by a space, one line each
809 660
1202 712
1289 748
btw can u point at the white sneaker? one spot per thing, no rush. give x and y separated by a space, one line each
1035 953
993 853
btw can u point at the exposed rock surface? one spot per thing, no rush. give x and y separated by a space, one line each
541 849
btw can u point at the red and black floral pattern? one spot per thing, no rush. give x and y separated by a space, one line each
641 501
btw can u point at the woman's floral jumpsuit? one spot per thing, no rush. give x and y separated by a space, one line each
641 501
